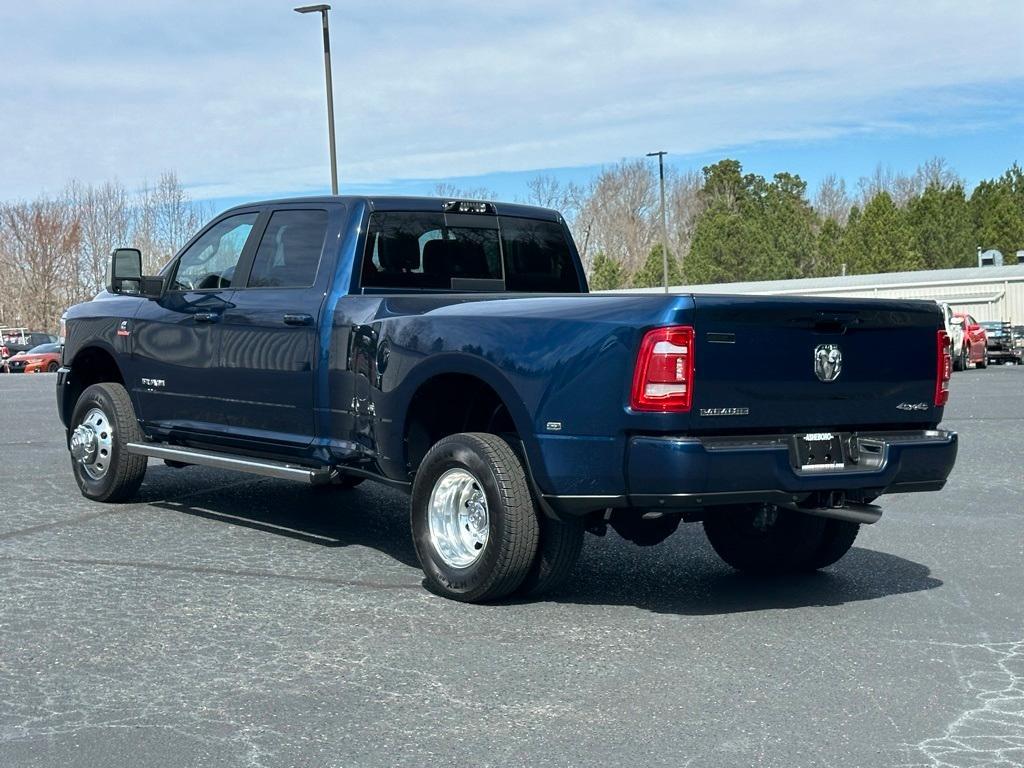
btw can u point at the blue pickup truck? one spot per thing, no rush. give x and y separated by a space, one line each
451 348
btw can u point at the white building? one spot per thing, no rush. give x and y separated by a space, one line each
987 293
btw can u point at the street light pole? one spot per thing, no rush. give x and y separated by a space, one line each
664 221
323 9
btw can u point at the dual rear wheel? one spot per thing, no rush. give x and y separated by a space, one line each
478 534
764 539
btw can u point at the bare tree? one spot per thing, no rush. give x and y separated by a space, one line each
936 172
620 214
105 215
685 204
165 219
41 242
445 189
831 201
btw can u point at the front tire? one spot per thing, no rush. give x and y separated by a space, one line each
473 521
103 423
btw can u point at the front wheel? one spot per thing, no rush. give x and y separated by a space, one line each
983 362
103 423
473 521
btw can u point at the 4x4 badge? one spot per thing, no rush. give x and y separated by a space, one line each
828 362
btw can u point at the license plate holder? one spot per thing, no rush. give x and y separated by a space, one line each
819 451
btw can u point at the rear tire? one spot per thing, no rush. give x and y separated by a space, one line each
52 367
557 553
763 539
961 360
836 541
473 521
115 475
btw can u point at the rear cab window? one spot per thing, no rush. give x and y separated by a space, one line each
467 252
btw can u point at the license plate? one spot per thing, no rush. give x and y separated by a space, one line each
818 451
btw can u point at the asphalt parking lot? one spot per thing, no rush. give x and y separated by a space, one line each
237 621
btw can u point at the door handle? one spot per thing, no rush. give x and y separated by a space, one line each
297 318
206 317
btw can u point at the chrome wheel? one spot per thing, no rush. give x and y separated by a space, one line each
458 518
92 443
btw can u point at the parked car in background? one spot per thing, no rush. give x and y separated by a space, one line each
973 343
17 340
45 357
954 330
1000 346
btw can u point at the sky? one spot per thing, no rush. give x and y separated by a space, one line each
230 94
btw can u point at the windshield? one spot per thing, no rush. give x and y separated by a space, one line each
465 252
44 349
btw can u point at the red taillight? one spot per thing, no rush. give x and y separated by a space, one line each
663 379
943 368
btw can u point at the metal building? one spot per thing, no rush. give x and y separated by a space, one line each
987 293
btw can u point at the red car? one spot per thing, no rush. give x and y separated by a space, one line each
45 357
974 345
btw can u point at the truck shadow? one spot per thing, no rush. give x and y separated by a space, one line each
680 576
687 578
369 516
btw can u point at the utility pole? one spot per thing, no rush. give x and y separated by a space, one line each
664 221
323 9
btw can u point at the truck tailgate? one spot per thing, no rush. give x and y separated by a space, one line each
766 363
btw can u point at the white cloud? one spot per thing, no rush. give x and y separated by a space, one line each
231 94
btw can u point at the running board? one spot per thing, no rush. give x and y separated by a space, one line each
264 467
865 514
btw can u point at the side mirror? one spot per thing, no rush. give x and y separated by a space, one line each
126 276
974 327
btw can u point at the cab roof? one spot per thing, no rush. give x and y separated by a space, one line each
400 203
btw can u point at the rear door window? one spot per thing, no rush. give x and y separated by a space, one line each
290 249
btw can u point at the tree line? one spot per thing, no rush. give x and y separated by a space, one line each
724 225
54 250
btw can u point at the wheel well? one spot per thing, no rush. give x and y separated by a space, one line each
449 404
91 365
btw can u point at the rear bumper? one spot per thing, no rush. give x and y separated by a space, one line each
1005 355
689 472
681 473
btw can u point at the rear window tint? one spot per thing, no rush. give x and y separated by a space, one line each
432 251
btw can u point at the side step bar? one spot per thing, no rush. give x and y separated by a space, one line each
253 466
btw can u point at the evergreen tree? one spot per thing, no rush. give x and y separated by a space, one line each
789 229
607 274
652 272
727 246
998 213
829 250
880 240
942 229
